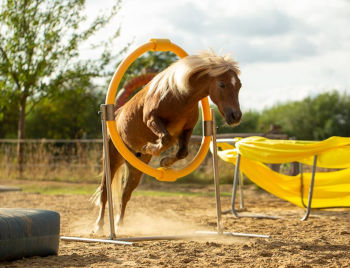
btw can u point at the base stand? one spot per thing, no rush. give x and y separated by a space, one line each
233 234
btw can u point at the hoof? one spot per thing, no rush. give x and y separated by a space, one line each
152 149
118 223
98 230
165 140
166 162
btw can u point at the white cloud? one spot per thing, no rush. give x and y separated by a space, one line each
286 49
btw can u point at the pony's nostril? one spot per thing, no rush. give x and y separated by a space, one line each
237 115
232 116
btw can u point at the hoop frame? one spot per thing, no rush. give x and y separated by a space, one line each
161 174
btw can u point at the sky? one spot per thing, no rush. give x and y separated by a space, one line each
287 50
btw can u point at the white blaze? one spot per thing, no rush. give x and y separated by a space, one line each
233 81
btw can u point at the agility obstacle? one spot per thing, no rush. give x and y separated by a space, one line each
28 232
161 174
326 189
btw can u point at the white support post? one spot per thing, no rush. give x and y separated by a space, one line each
216 174
107 114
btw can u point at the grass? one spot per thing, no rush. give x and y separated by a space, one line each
166 194
59 190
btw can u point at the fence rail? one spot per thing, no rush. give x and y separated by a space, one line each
194 138
51 141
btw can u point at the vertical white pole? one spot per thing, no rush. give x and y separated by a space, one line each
216 174
104 118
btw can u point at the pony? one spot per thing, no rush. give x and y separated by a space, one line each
163 113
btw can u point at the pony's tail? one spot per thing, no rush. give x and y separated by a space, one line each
118 184
96 197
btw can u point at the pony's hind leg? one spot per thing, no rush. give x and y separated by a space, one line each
131 183
101 194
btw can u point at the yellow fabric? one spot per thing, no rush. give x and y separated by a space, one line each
331 189
331 153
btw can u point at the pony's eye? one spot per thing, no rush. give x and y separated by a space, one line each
222 84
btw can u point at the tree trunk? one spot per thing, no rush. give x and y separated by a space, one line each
21 135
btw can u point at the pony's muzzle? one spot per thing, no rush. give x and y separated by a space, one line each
232 116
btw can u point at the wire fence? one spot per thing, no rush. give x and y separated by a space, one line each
69 160
81 160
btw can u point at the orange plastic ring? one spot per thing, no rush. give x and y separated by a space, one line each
162 174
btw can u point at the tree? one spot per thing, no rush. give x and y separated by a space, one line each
70 114
8 114
80 101
39 51
314 118
248 124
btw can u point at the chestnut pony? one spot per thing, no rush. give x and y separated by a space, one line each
165 112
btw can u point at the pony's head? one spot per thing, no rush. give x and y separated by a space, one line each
220 73
223 91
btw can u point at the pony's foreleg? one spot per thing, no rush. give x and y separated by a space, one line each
184 139
101 193
131 183
155 124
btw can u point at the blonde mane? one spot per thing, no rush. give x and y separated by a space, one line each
176 77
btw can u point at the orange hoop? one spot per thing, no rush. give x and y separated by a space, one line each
162 174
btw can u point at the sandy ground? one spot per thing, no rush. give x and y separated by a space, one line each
322 241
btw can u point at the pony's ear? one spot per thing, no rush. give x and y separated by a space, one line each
198 75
